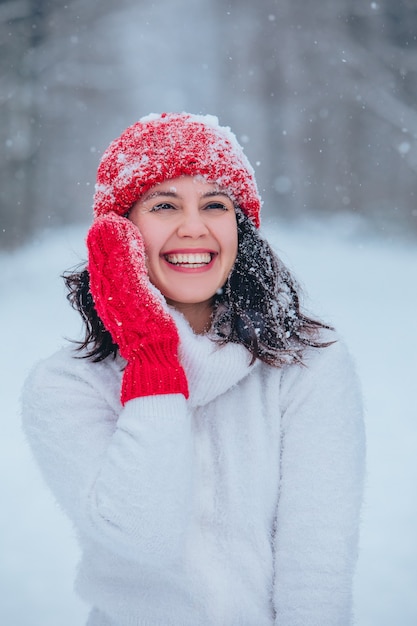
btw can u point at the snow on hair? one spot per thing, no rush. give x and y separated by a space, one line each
259 305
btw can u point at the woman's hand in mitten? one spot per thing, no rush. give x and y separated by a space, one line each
132 309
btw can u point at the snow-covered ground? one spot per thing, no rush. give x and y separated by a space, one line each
367 288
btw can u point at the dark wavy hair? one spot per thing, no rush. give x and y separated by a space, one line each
259 307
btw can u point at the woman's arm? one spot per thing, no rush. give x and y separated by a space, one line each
322 469
123 475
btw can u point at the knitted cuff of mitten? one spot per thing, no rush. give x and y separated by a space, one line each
153 369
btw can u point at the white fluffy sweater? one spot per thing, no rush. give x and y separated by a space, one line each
239 506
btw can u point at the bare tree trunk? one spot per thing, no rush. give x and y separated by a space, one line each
19 119
55 73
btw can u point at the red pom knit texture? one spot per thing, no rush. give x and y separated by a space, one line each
170 145
132 310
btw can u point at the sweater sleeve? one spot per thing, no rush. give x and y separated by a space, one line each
121 474
322 469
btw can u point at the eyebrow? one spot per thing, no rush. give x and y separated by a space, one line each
156 194
210 194
174 194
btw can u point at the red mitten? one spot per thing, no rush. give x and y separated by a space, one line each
132 310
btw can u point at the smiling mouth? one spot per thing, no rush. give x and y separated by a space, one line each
190 260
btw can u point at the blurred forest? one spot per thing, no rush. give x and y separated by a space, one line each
323 96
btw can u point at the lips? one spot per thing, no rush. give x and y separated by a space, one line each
190 260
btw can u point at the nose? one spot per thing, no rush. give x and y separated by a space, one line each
192 223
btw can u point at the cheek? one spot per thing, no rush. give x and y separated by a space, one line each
151 258
151 241
233 246
228 236
151 253
230 250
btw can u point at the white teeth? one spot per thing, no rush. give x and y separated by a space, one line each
194 259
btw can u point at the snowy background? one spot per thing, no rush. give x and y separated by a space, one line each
323 97
366 287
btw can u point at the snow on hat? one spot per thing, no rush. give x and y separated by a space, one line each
169 145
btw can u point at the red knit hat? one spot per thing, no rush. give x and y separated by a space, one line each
166 146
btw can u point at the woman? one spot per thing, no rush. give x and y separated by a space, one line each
206 439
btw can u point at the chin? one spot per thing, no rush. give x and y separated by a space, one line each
191 300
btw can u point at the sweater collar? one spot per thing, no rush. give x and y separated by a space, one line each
211 369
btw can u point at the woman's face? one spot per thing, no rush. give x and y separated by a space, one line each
190 234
